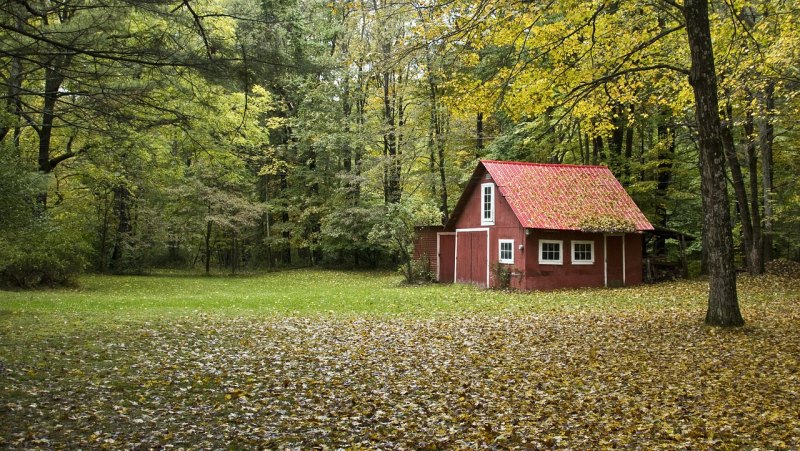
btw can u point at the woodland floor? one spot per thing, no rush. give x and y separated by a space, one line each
306 359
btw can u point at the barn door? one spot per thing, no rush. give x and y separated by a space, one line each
615 266
447 258
472 257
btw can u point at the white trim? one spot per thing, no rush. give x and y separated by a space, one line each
488 248
560 261
492 203
473 229
500 258
572 252
439 255
605 256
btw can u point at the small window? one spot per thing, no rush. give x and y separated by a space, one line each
582 252
550 252
487 204
507 251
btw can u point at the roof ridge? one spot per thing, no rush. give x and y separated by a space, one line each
525 163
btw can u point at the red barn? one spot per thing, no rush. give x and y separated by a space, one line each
549 225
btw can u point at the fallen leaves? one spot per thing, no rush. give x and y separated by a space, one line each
573 378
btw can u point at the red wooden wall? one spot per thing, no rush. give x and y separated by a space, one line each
425 245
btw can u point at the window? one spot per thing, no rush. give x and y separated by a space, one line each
487 204
582 252
507 251
550 252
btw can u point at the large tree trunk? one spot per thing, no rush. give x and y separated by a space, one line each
723 304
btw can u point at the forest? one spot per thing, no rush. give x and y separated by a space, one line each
232 135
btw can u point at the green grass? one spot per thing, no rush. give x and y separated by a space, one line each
311 358
312 292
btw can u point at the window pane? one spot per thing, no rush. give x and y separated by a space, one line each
551 251
583 252
507 251
487 202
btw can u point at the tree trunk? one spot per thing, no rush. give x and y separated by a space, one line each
766 134
723 304
433 127
287 250
124 228
391 182
479 127
666 158
208 245
756 257
739 190
617 140
443 208
626 164
597 150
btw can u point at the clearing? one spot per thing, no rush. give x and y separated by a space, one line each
305 358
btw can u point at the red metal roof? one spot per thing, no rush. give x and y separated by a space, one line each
564 197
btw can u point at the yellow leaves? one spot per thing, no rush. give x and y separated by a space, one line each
627 368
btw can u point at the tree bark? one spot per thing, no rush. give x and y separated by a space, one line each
479 127
208 245
740 191
391 176
723 304
756 251
124 228
766 134
442 176
666 158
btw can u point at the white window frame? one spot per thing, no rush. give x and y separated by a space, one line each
490 220
560 260
582 262
500 258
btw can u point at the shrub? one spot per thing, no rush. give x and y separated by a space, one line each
502 276
420 270
43 254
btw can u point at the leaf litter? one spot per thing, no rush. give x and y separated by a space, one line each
525 380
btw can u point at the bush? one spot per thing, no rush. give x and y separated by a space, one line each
420 271
42 254
502 276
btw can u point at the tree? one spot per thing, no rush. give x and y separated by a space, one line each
723 305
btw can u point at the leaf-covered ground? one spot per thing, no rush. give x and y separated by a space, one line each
560 370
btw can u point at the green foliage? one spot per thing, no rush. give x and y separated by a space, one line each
606 224
19 186
421 271
45 252
35 248
502 274
395 230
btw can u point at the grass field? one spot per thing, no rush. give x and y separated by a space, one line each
303 358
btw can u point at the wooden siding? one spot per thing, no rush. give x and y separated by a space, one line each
425 245
447 258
